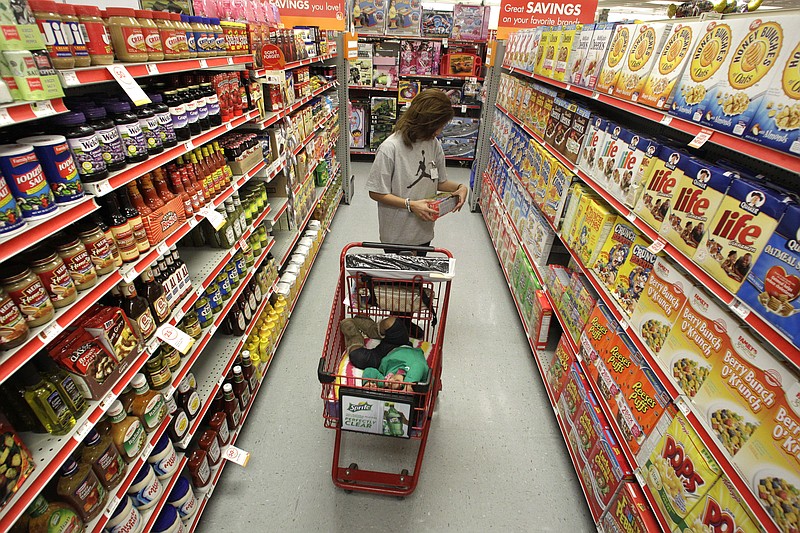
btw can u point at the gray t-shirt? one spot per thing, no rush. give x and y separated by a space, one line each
406 172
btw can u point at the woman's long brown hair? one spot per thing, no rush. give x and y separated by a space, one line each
429 111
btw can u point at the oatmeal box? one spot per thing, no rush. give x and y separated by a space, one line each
662 300
670 64
658 186
738 232
773 285
601 37
615 58
741 85
647 42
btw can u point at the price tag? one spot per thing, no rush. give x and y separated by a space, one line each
112 506
568 87
104 187
221 381
640 477
50 332
228 126
162 248
128 84
739 308
108 399
237 455
216 219
175 338
147 449
445 44
199 292
595 95
212 329
152 345
203 63
83 429
152 68
631 216
624 325
463 109
189 146
666 120
657 246
70 78
472 79
43 109
701 138
683 406
230 60
129 274
192 222
5 118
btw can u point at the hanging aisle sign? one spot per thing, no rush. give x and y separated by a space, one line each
327 14
521 14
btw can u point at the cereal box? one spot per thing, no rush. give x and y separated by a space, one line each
534 49
541 47
642 403
773 285
595 139
658 186
615 58
580 48
632 275
741 85
601 37
660 304
698 193
554 120
565 46
608 466
590 423
615 252
563 127
557 194
573 393
679 471
721 509
586 198
629 512
600 328
711 50
629 148
557 370
606 155
670 64
577 134
587 481
547 173
598 221
576 192
647 42
549 61
548 101
738 232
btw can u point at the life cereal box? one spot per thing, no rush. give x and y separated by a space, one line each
598 222
721 509
629 512
773 285
607 155
708 55
647 42
754 63
738 232
776 121
608 466
615 252
660 304
595 139
629 148
601 37
659 186
615 58
565 46
580 48
679 471
698 193
576 137
670 63
632 276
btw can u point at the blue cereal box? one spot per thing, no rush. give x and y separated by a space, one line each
773 285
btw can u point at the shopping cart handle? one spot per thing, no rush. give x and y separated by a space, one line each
397 247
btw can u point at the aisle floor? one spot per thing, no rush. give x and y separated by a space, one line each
495 457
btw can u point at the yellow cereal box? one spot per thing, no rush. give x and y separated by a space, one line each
646 45
660 304
738 232
615 58
546 174
670 63
598 220
658 187
565 46
615 251
586 198
721 509
557 194
679 471
549 62
574 195
633 274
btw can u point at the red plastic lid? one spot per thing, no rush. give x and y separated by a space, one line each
65 9
120 12
161 15
88 10
144 14
42 5
175 17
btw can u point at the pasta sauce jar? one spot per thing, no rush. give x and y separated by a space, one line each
27 291
98 248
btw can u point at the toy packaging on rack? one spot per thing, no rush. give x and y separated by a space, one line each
359 124
470 23
420 58
435 23
369 16
407 91
404 17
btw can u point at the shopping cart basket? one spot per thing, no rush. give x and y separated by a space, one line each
379 285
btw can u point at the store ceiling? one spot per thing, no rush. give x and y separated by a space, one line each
659 7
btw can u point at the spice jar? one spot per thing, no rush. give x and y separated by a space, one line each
152 35
77 260
72 27
126 34
13 329
97 246
28 293
54 276
110 142
170 42
98 40
55 38
84 145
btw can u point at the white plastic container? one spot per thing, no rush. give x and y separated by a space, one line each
146 489
126 518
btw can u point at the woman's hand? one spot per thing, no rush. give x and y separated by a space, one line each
422 209
462 193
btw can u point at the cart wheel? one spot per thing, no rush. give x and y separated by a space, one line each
353 466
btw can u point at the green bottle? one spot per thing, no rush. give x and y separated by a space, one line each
233 218
47 403
395 424
64 384
226 234
237 205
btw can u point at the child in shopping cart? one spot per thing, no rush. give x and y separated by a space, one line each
409 170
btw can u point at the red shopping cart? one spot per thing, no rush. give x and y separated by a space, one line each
415 289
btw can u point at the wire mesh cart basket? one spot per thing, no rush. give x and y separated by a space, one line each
416 290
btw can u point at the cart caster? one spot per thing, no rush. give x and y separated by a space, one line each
403 474
353 466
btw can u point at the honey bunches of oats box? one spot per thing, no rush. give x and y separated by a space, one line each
670 64
632 276
593 145
658 186
569 32
679 471
601 38
580 49
706 59
647 42
698 194
738 232
615 252
721 509
754 62
660 304
615 58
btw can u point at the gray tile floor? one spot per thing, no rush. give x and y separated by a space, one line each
495 457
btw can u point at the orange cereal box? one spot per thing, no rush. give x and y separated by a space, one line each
600 328
615 251
615 58
738 232
721 509
658 186
633 275
598 221
646 45
670 63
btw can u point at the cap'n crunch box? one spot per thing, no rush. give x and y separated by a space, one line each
615 58
679 471
661 302
601 38
669 66
629 512
647 43
738 232
598 221
721 509
632 276
615 251
698 193
595 139
580 48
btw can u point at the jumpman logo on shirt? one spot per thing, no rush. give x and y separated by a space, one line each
422 171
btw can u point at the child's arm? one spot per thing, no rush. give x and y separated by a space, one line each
418 207
458 189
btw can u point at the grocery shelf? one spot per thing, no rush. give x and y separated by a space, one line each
362 152
121 177
98 74
456 158
35 232
371 88
466 106
262 72
442 77
763 328
271 118
420 38
297 104
738 144
279 207
24 111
